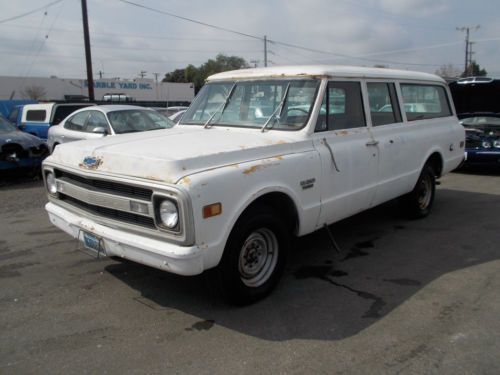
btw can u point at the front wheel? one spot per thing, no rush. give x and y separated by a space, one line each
254 256
418 202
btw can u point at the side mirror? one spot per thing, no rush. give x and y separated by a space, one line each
100 130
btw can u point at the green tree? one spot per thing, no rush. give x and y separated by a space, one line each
474 70
221 63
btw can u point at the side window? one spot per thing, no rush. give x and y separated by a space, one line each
342 107
36 115
384 108
425 101
77 121
96 120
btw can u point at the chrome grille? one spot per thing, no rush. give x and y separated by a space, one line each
110 213
106 186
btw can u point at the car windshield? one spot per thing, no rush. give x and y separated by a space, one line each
279 104
136 120
5 126
481 121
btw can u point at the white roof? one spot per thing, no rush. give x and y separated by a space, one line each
323 71
119 107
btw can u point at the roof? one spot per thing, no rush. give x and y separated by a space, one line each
119 107
324 71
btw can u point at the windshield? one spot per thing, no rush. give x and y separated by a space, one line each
286 104
481 121
136 120
5 126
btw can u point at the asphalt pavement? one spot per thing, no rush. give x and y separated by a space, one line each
411 297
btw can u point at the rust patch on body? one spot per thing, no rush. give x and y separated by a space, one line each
186 180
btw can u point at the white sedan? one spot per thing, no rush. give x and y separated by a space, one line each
99 121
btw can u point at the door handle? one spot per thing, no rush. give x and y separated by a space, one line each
372 143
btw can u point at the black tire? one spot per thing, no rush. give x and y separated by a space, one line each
245 274
418 203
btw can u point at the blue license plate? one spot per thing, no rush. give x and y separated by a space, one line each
93 243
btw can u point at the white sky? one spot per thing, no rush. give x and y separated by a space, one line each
407 34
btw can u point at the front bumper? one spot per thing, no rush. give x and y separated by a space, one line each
182 260
474 157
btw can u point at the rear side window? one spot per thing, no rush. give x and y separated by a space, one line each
384 108
77 121
425 101
62 111
36 115
342 107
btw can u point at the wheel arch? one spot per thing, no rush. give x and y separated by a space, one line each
436 161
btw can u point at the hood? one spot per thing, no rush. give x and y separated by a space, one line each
476 97
171 154
24 139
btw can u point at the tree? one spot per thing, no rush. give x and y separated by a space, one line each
448 71
222 63
475 70
33 92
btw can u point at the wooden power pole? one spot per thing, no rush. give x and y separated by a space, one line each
88 56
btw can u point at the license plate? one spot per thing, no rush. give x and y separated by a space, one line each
93 245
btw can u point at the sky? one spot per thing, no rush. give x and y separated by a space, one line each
127 39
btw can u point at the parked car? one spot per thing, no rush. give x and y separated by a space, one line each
99 121
19 150
176 117
229 189
478 108
36 119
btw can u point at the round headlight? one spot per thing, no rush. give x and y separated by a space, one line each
51 183
486 144
169 215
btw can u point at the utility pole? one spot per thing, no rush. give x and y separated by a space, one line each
88 57
142 73
265 50
156 80
100 74
468 45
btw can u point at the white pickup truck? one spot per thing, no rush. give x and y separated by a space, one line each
260 156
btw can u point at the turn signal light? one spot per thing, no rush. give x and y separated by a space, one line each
213 209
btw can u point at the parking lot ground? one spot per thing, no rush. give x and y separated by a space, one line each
416 297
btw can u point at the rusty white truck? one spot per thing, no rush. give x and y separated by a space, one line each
260 156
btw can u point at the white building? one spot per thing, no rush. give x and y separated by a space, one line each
60 88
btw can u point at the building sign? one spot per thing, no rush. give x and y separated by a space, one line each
119 85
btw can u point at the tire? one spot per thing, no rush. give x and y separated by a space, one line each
418 203
254 257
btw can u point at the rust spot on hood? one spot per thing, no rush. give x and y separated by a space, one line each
186 180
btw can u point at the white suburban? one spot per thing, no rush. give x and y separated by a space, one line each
261 155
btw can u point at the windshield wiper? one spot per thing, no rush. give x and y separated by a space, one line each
221 108
279 107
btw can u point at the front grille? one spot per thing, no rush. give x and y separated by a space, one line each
111 187
110 213
473 143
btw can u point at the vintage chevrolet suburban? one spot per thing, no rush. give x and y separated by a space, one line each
260 156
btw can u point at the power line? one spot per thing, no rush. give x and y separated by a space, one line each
189 19
30 12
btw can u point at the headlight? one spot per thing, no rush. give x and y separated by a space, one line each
497 143
486 144
51 183
168 214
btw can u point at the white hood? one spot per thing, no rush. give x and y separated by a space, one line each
171 154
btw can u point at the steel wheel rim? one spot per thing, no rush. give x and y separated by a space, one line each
425 192
258 257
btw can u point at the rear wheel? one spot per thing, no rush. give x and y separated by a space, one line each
418 202
254 257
